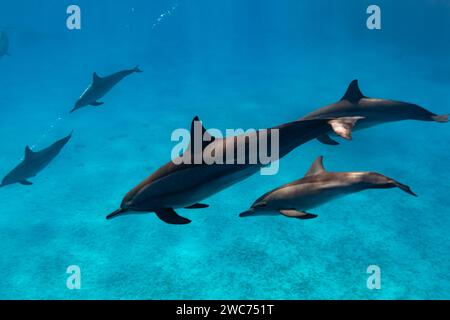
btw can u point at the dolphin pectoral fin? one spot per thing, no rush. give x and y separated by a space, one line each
198 206
96 103
325 139
292 213
25 183
168 215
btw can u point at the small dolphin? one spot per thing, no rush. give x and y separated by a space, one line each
34 162
316 188
185 185
4 44
100 87
375 111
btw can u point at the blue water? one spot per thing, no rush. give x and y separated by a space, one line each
236 64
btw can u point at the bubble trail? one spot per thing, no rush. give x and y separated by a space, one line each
165 14
49 130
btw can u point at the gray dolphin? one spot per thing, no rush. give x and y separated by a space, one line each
184 185
316 188
34 162
4 44
375 111
101 86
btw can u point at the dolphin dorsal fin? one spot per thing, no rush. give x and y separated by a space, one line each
205 135
353 93
28 152
316 168
96 77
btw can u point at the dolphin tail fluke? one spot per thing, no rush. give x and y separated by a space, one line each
168 215
137 69
404 187
114 214
343 126
442 118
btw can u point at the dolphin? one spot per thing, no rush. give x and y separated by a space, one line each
34 162
375 111
4 44
184 185
101 86
316 188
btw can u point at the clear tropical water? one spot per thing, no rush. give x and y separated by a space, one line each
236 64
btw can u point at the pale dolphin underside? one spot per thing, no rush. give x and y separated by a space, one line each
34 162
317 187
375 111
184 185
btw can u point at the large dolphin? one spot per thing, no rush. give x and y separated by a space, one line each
316 188
34 162
184 185
4 44
99 87
375 111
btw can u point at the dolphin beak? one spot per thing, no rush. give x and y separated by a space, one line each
115 214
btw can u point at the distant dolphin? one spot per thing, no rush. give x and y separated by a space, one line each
316 188
100 87
4 44
33 163
185 185
375 111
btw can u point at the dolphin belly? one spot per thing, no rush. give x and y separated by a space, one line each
186 187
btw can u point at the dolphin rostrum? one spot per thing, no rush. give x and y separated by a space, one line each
375 111
34 162
101 86
184 185
4 44
316 188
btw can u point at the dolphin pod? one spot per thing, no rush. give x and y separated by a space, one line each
101 86
184 185
179 184
317 187
375 111
33 163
